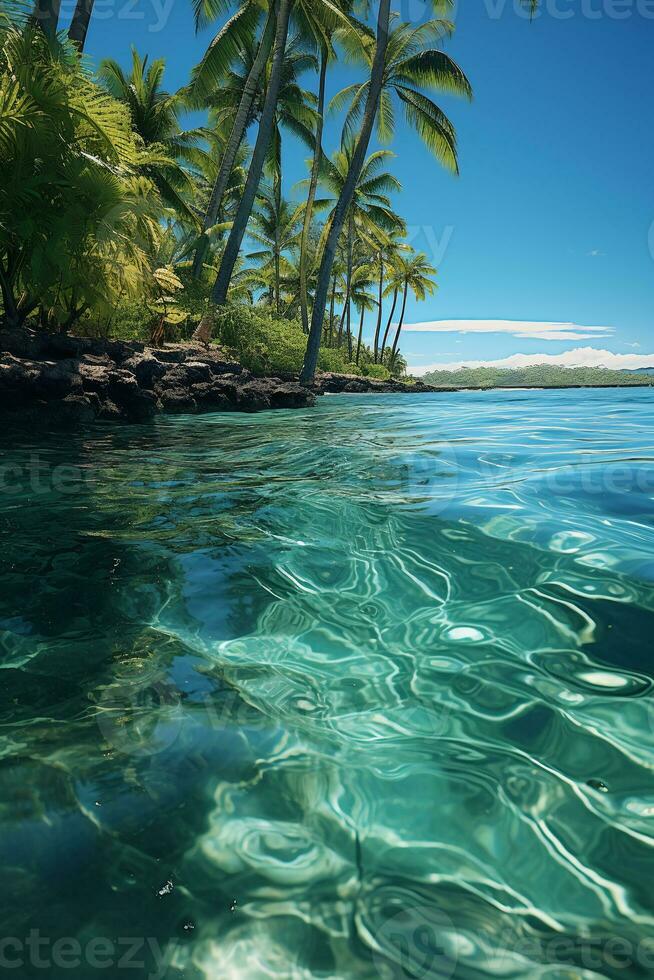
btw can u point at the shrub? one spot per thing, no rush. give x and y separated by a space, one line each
77 222
267 345
376 371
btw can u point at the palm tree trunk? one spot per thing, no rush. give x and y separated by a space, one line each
266 126
277 187
349 329
381 303
46 14
313 187
388 325
331 312
399 326
348 296
278 285
79 26
348 280
9 301
363 315
235 138
341 325
347 193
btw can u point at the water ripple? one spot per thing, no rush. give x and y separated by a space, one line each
362 692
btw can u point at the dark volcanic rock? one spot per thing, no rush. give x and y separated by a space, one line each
291 395
58 379
211 397
74 408
178 400
146 368
253 396
95 377
18 380
67 379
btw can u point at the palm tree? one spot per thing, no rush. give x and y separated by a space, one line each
275 225
363 299
347 193
416 274
396 251
313 186
412 65
370 218
306 12
386 259
226 47
264 137
46 14
294 111
79 25
352 36
171 152
436 71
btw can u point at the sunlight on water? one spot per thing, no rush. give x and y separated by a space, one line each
358 692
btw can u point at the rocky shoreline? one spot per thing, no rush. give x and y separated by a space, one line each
64 378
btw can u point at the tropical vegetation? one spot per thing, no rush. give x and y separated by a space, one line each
117 218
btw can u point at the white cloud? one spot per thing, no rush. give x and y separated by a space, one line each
523 329
580 357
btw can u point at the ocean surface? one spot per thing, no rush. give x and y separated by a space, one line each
358 692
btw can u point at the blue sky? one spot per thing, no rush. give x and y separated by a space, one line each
551 218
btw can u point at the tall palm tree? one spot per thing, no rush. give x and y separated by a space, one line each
415 274
306 12
347 193
386 260
79 25
370 218
264 137
352 37
412 65
46 14
226 47
294 111
313 186
420 111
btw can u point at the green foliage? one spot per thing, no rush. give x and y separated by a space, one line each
377 371
267 345
538 376
78 224
102 191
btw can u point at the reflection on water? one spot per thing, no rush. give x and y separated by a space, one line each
359 692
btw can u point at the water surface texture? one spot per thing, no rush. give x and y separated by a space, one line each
357 692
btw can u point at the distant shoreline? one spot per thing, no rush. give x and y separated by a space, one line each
543 376
569 387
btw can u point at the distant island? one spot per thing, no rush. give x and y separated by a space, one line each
540 376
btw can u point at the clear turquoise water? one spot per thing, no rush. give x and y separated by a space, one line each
358 692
